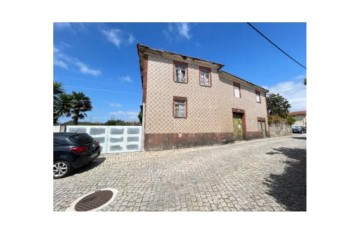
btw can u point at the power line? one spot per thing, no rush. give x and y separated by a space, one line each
100 90
276 45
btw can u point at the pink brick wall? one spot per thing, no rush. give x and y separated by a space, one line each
209 108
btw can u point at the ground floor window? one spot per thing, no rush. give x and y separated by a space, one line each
180 107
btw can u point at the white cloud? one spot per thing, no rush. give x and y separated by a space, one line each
126 79
113 35
115 105
86 70
60 63
126 114
64 61
184 29
170 27
62 26
178 31
167 35
131 39
293 91
59 58
118 37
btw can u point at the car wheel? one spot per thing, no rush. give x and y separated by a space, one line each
61 169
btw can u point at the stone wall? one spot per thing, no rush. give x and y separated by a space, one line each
280 129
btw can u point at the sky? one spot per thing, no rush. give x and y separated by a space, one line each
101 60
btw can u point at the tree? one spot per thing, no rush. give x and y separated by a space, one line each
58 88
79 104
277 105
140 115
62 106
291 119
57 91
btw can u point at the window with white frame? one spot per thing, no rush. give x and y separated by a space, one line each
236 89
258 97
180 107
180 73
205 76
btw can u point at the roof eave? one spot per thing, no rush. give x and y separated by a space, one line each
179 57
236 78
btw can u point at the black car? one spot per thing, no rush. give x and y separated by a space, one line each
298 129
73 150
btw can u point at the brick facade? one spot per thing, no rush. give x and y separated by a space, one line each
209 109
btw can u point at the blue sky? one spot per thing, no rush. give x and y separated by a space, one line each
100 59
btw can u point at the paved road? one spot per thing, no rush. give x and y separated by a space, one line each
260 175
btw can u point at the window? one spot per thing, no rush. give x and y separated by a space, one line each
180 107
261 124
180 72
258 97
205 76
236 89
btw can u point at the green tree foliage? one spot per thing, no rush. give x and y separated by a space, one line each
71 122
79 105
58 88
62 106
277 105
119 122
57 91
72 105
290 120
140 114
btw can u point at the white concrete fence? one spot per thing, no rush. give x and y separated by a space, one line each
113 139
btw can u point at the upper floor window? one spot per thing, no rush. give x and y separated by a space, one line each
236 89
180 72
205 76
258 97
180 107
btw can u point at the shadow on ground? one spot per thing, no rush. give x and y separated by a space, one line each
289 188
90 166
299 138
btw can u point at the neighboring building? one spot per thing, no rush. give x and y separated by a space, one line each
300 117
188 102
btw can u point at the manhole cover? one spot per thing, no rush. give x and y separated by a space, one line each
93 201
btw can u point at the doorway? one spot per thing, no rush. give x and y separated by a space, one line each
262 127
238 125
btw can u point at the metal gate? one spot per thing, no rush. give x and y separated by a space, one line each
113 139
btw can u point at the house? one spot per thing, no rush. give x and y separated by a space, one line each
189 101
300 117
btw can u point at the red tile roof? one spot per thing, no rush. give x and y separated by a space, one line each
297 113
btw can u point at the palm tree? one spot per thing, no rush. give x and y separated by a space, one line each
62 106
57 91
79 104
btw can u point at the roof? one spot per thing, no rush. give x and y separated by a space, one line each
143 51
297 113
235 78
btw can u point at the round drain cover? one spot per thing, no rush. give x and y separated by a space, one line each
94 200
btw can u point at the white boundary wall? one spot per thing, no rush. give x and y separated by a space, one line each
113 139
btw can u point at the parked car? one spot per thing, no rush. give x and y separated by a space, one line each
298 129
72 151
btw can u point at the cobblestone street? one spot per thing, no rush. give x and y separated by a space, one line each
260 175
